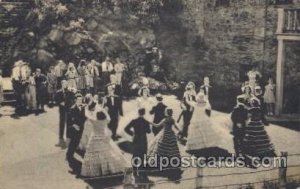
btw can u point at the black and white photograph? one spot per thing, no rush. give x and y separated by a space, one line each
149 94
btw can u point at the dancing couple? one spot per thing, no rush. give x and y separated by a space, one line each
163 145
249 135
188 105
88 130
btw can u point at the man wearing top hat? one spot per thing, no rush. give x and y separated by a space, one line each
114 105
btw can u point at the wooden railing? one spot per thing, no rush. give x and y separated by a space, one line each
288 21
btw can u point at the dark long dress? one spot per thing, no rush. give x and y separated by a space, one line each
165 145
256 141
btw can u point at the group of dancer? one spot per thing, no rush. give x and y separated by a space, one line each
91 121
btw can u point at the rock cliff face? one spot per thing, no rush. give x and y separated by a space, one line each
76 31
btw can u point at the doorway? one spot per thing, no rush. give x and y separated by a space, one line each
291 97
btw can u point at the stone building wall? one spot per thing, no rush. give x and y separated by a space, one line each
236 35
240 32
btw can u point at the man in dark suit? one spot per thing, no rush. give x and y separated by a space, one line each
140 127
206 88
41 90
159 113
64 100
114 105
239 117
77 119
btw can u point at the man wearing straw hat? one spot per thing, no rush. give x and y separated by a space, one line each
17 85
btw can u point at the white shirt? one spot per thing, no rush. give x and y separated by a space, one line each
119 67
107 66
16 73
112 100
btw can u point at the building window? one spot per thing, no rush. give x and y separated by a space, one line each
222 3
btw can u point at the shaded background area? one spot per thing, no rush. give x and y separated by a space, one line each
221 39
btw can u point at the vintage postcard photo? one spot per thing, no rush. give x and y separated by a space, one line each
149 94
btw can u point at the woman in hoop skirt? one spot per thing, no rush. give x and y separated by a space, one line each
256 141
165 145
102 157
203 135
91 109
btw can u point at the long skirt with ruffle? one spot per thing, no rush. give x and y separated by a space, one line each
164 145
86 135
102 158
202 136
256 142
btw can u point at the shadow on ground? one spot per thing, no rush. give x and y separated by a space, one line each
126 146
215 152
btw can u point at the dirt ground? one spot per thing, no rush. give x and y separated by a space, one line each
30 160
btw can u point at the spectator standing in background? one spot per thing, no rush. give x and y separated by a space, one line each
269 97
81 81
90 74
52 85
72 76
107 69
60 70
119 69
96 75
31 93
41 89
253 75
